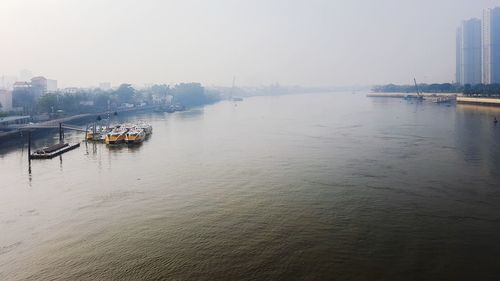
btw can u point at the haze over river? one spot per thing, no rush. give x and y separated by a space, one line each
301 187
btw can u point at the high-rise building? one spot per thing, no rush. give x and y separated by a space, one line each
491 46
469 52
458 66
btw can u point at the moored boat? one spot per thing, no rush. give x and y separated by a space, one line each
116 136
135 136
97 134
148 129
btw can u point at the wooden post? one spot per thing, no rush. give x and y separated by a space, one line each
60 133
29 154
29 146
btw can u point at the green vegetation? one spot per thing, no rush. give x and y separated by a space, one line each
193 94
426 88
479 90
96 100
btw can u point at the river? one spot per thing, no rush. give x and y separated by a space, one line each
299 187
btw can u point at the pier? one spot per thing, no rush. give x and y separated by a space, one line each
53 151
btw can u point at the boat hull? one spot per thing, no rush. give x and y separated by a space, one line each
114 139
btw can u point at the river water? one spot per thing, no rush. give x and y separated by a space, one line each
300 187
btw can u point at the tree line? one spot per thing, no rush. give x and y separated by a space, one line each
427 88
97 100
478 90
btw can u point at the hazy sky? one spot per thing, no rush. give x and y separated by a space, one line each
307 42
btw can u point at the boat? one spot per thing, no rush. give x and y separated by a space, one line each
116 136
92 133
135 136
175 107
96 133
148 129
91 136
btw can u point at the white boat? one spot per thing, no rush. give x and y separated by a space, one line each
148 129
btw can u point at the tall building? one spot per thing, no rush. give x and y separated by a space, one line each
469 52
491 46
458 65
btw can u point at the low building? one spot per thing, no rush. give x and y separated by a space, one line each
39 86
23 98
5 100
21 85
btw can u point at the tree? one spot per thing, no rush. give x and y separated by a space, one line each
158 92
125 93
101 100
467 90
47 103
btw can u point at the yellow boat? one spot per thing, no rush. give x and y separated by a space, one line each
135 135
116 136
89 136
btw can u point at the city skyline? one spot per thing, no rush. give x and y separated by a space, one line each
478 49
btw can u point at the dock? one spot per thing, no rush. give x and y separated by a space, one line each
53 151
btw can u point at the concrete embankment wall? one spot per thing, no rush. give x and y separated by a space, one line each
479 101
402 95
